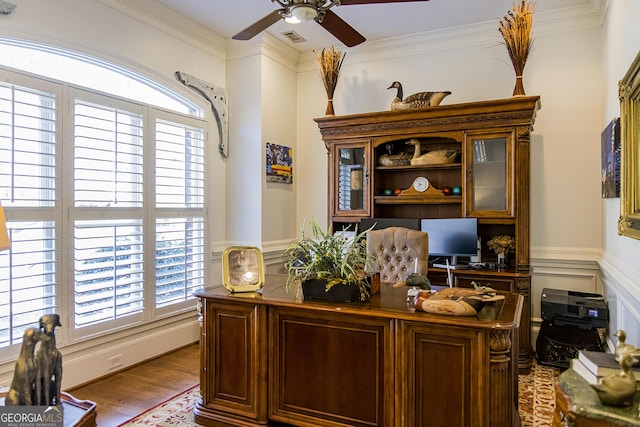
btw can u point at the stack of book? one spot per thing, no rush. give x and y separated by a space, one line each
593 365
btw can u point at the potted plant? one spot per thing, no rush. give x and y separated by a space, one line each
329 266
501 245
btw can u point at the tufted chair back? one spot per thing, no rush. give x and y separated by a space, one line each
396 250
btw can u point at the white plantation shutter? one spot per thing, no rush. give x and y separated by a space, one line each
108 270
179 166
108 156
179 191
108 182
28 270
179 259
28 286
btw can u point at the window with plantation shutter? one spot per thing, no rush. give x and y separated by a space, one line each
108 224
179 190
105 202
28 147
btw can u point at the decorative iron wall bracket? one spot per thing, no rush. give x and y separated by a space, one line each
217 97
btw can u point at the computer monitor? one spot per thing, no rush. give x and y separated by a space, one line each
451 237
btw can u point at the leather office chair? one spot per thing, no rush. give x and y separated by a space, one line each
399 252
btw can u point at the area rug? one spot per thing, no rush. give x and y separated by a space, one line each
537 396
174 412
536 403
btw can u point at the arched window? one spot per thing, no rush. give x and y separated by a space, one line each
102 178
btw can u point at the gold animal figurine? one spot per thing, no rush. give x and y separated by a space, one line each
22 390
623 347
618 389
417 100
48 364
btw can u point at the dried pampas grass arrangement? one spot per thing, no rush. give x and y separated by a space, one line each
515 28
329 63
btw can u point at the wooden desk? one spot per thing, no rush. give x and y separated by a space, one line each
77 413
577 405
271 357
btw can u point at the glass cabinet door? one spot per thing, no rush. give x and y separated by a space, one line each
351 179
489 184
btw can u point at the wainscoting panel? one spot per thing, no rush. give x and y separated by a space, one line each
622 290
566 270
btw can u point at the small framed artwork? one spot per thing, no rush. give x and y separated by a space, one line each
242 269
610 159
279 163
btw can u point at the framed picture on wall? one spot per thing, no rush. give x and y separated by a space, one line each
610 172
629 94
279 163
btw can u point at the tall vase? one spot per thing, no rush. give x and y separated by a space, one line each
518 90
502 259
329 111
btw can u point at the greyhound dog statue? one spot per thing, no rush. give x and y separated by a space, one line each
22 390
48 364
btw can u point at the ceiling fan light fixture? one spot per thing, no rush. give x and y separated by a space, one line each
291 19
303 12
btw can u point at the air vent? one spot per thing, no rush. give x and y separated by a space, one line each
293 36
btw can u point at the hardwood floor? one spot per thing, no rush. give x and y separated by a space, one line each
127 393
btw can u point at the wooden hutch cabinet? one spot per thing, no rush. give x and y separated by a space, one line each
491 168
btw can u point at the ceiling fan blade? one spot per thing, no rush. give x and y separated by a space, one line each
341 30
258 26
347 2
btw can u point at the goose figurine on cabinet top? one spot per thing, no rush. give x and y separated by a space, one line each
623 347
618 389
417 100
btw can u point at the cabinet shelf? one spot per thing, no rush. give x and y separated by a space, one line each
418 200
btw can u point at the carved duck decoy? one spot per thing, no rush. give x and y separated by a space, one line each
455 301
618 389
623 347
434 157
417 100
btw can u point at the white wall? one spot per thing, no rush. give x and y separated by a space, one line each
620 266
279 111
243 173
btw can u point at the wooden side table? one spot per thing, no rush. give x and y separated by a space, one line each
577 405
77 413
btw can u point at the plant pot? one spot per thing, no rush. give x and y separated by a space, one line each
315 289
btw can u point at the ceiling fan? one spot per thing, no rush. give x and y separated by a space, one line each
295 11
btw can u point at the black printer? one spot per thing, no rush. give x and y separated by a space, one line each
570 322
580 309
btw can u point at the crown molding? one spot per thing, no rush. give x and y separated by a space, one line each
483 34
170 22
265 45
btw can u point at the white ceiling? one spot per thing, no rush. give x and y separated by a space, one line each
373 21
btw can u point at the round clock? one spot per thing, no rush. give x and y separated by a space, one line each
421 184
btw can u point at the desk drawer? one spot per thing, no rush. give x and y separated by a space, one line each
499 284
